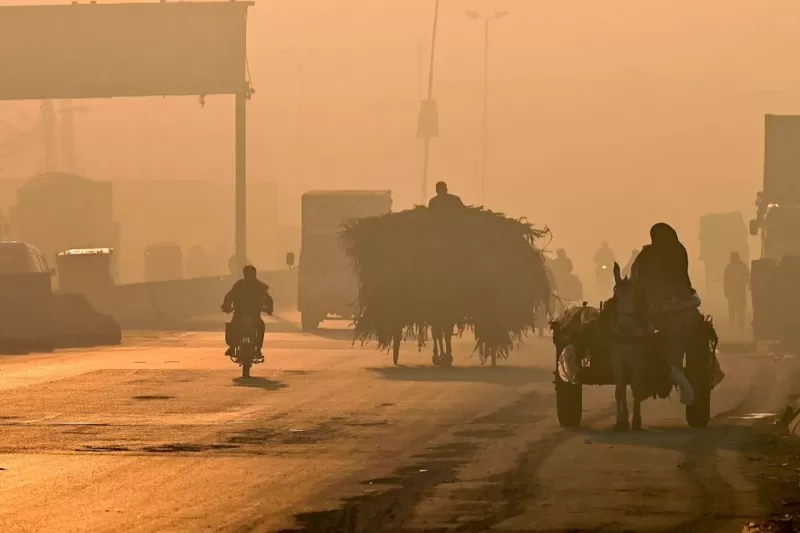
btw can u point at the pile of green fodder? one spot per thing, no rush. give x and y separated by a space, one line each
470 267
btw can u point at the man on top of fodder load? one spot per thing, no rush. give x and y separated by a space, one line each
666 299
569 286
444 198
248 298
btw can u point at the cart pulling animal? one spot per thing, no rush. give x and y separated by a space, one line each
627 350
443 344
611 346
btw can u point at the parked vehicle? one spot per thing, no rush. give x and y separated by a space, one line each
327 285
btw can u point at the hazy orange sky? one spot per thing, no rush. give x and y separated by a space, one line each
604 116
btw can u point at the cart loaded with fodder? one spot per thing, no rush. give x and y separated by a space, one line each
459 269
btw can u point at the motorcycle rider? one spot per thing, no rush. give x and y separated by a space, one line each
603 261
545 314
248 298
562 264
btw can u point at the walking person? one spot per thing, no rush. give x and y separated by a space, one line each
736 283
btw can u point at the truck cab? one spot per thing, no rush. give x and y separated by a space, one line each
327 285
775 276
163 262
779 230
85 269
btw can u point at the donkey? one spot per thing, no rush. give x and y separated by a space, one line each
628 351
442 344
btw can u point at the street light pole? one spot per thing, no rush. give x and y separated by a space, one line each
426 156
485 141
300 64
419 69
301 71
485 147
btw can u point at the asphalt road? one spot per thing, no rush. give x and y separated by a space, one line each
160 436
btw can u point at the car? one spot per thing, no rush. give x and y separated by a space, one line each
17 257
25 299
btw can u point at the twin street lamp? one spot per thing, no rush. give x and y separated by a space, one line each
428 119
474 15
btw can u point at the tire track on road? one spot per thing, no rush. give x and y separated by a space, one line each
717 504
517 488
392 509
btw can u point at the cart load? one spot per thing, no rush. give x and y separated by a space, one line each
470 267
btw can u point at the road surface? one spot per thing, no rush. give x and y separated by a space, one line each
160 436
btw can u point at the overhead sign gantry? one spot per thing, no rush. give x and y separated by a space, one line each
122 50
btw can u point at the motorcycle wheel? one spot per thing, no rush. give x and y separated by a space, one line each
246 370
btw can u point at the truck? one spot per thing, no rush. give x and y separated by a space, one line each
163 262
775 276
59 211
26 299
327 285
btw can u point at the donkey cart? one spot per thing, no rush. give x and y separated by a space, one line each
582 341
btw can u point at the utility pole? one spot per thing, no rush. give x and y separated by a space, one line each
485 142
240 254
428 123
419 69
68 136
49 127
301 119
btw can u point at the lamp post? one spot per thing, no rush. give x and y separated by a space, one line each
428 121
68 111
474 15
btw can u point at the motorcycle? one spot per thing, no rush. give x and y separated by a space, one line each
605 278
245 350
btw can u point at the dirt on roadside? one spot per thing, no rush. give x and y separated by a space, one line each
774 466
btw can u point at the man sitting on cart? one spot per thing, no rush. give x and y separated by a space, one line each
666 299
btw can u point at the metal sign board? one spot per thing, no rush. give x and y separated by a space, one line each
114 50
782 159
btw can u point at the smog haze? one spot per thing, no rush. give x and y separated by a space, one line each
603 117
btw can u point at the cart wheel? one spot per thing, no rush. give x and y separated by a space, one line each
436 360
699 413
699 369
569 403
